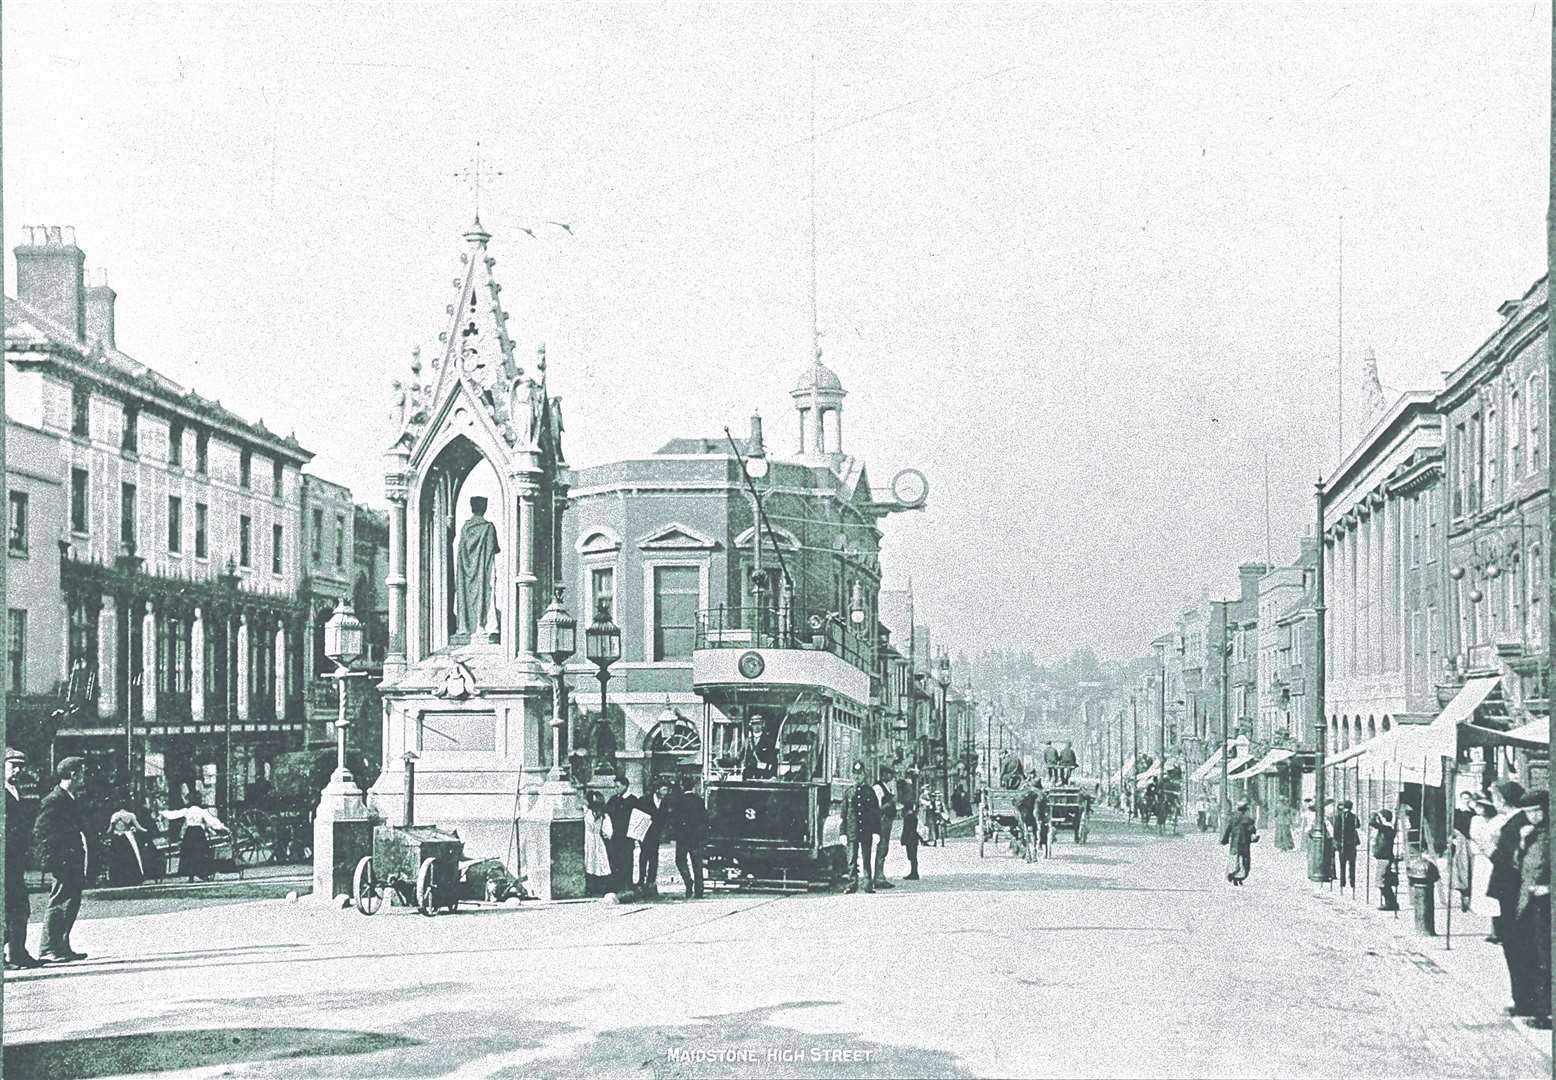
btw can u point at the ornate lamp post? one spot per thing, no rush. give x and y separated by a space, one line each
556 638
602 645
343 645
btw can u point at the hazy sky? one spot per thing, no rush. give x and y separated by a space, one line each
1076 262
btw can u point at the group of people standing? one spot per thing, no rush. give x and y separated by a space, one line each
612 826
1506 873
870 812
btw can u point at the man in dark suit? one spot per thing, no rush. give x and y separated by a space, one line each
885 793
619 809
689 824
656 806
18 841
1347 838
861 821
60 832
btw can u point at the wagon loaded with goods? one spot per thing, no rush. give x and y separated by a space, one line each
998 816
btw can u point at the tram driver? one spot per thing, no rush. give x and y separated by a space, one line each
759 758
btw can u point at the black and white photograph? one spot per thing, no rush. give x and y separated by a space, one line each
451 630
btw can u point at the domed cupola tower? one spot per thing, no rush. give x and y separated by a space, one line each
818 395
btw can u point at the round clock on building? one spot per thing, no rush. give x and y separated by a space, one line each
910 488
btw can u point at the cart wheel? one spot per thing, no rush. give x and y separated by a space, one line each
365 892
426 885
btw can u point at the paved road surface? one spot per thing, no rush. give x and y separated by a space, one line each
1129 957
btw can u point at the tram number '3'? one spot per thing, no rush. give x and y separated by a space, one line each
750 813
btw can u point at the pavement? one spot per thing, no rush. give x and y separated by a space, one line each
1130 956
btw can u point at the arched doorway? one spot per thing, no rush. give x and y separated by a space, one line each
673 749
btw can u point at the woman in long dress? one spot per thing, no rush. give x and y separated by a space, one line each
1239 837
127 859
597 830
194 848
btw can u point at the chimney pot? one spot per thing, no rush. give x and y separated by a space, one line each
50 278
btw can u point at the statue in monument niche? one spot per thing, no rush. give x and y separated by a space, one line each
477 553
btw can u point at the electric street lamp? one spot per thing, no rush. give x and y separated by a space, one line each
602 645
343 645
556 638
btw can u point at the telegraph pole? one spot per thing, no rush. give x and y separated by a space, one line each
1317 857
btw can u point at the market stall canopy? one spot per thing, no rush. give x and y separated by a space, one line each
1251 769
1416 751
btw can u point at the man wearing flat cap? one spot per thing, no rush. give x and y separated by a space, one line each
60 833
18 839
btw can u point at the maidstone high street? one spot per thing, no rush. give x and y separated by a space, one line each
1152 679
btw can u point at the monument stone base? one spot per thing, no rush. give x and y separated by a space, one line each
341 801
551 843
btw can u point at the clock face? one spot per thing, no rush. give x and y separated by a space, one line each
756 467
752 665
910 488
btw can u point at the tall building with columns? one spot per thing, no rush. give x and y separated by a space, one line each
178 541
1384 576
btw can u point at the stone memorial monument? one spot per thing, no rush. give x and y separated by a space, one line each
463 688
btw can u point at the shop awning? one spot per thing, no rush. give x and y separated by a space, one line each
1150 774
1265 764
1416 751
1127 769
1239 758
1534 735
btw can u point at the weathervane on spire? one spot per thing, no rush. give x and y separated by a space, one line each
474 175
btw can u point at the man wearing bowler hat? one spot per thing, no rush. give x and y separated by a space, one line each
60 832
18 841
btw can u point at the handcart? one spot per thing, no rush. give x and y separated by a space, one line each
411 865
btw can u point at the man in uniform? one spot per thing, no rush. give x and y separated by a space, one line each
861 821
60 832
17 844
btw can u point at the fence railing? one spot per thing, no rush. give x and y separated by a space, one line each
780 627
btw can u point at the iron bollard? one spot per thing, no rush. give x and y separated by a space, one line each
1422 874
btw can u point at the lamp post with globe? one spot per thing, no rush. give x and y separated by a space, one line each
551 830
602 645
341 800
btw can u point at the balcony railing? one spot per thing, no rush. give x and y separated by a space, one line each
777 627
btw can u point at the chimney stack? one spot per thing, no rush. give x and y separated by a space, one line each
99 309
49 276
755 447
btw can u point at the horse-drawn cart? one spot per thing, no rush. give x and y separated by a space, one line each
998 816
1069 808
413 865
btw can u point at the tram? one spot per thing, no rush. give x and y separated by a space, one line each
778 757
